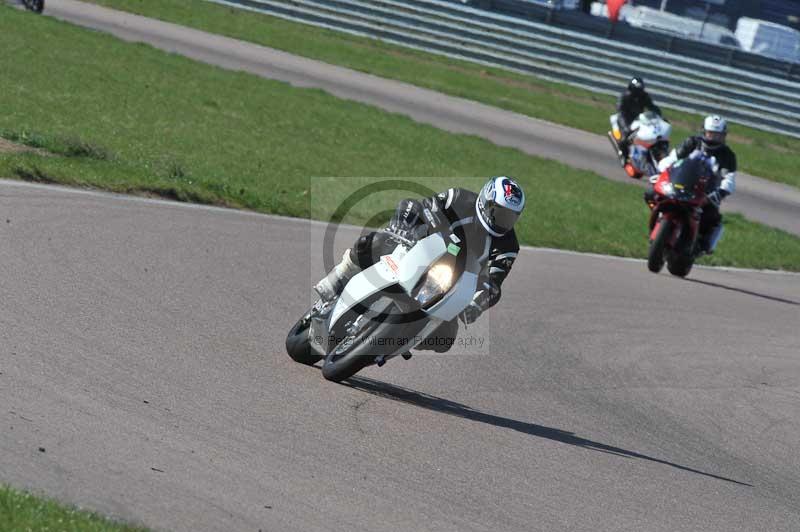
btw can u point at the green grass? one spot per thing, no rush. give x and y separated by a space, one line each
768 155
21 511
130 118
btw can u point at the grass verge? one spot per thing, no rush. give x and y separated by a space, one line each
768 155
23 511
129 118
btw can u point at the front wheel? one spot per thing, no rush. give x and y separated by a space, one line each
352 354
681 265
655 257
337 369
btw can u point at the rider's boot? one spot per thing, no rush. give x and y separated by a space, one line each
333 284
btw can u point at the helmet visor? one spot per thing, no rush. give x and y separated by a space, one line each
500 219
714 137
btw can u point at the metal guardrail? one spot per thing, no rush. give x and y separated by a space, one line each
595 63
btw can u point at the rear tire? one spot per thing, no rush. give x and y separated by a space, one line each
298 344
655 257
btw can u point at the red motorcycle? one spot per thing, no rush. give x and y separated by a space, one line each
679 194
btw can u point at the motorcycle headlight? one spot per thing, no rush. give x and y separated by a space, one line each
435 284
667 189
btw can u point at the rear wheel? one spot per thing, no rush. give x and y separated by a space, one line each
655 257
298 343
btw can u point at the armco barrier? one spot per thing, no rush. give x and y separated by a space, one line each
678 80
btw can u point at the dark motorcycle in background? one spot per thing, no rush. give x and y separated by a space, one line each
679 194
37 6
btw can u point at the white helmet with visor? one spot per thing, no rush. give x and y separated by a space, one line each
499 205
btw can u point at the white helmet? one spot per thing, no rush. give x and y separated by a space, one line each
715 128
715 123
499 204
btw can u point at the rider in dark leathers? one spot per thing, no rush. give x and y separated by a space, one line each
631 103
484 220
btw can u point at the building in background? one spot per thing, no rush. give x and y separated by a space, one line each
769 39
727 12
651 19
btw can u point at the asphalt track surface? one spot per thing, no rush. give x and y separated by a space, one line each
760 200
142 349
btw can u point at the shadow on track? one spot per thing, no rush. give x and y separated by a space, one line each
743 291
438 404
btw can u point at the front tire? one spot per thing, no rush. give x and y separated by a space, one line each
655 257
345 367
680 266
342 363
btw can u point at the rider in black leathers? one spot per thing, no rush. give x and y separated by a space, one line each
483 220
631 103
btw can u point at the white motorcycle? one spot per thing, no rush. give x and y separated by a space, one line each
649 143
390 307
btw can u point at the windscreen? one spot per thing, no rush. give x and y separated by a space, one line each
688 173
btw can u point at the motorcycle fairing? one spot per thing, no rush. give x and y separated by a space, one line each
417 261
640 159
650 129
464 290
365 284
615 131
401 266
457 299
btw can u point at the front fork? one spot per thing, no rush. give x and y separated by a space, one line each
694 228
612 138
679 231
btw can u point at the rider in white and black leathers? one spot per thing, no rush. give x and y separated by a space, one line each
484 221
712 144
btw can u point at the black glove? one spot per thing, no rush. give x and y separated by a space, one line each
471 313
715 198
